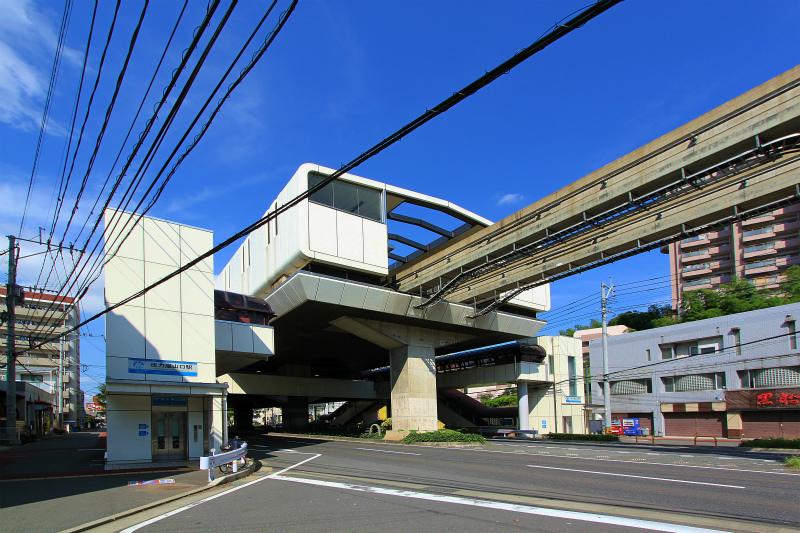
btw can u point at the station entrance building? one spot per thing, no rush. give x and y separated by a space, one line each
304 313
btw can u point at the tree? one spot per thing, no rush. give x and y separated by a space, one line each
101 396
640 320
569 332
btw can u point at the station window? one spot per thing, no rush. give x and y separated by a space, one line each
348 197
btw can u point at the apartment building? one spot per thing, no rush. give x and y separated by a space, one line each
730 376
39 316
758 249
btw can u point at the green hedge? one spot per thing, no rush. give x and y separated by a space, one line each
578 436
793 462
771 442
442 435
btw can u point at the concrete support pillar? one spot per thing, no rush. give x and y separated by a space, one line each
413 377
295 414
522 404
217 433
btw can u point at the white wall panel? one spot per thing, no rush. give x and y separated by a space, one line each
133 246
263 340
161 242
166 296
223 336
123 277
376 250
197 292
242 338
124 414
349 236
197 338
194 242
322 229
163 330
117 368
125 331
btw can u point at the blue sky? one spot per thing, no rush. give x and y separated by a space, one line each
344 74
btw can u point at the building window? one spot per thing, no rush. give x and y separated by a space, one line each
758 231
551 363
573 376
348 197
698 266
647 352
770 377
759 247
694 238
694 253
666 352
759 264
696 282
631 386
700 349
694 382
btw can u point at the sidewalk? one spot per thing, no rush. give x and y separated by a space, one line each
59 482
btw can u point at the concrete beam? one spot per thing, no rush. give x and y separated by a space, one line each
271 385
771 105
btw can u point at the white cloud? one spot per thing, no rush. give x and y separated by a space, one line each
510 198
28 40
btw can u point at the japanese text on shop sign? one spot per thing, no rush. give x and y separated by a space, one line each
777 399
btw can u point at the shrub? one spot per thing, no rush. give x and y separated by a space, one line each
505 400
442 435
578 436
771 442
386 425
793 462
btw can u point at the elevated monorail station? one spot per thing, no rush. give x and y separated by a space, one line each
303 313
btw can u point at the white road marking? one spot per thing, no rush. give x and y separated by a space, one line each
214 497
516 508
639 477
386 451
615 460
685 455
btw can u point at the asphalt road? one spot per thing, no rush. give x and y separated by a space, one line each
369 486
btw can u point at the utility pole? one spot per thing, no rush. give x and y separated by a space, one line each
60 391
605 292
11 378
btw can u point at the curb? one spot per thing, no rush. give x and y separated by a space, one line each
249 469
335 438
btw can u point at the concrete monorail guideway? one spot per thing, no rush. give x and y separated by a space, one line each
734 162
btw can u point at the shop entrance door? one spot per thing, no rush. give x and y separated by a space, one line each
169 436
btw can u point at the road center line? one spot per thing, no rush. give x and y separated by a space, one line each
387 451
214 497
640 477
516 508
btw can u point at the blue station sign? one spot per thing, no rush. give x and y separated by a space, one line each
162 367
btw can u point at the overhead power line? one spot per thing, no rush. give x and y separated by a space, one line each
492 75
198 33
47 103
107 118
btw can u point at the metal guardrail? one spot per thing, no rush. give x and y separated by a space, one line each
214 460
705 437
